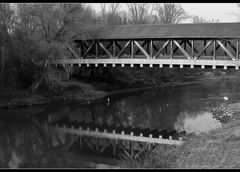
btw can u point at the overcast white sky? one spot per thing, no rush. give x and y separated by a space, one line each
220 11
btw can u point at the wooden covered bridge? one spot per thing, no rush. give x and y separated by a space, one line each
214 45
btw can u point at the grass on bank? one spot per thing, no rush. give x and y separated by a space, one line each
217 149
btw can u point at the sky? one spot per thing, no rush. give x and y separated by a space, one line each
216 11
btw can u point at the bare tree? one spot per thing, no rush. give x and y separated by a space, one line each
7 21
170 13
56 24
113 16
103 10
124 17
110 15
7 17
114 8
139 13
197 19
38 34
26 21
236 14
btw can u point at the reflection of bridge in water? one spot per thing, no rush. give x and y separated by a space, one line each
214 45
132 142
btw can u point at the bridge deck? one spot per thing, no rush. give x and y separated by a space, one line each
152 62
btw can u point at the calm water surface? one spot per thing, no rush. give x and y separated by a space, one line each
178 108
181 108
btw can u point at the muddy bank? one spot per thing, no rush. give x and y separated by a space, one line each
71 90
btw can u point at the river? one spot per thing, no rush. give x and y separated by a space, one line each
25 137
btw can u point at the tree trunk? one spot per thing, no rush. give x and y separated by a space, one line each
36 84
3 59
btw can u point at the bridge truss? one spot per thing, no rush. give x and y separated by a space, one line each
181 53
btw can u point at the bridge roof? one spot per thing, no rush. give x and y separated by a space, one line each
197 31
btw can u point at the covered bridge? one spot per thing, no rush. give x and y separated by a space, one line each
192 45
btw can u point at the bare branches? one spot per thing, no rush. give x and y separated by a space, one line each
114 8
237 15
170 13
197 19
111 14
103 9
139 13
7 17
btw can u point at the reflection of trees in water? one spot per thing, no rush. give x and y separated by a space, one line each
233 88
153 109
101 113
23 144
145 110
229 88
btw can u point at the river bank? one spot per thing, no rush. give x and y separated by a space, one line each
82 92
216 149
